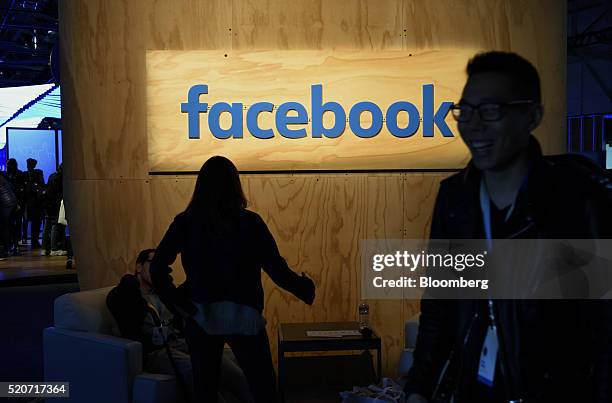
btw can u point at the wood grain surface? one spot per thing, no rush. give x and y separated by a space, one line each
279 76
115 208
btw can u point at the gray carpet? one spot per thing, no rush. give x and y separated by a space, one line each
24 313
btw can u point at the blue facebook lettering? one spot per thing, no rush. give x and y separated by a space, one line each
291 117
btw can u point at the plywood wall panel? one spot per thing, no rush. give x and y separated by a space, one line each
317 223
103 75
102 90
109 224
317 24
480 24
385 200
420 192
186 25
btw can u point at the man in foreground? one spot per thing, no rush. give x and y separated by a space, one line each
512 350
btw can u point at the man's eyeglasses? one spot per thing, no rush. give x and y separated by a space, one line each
489 111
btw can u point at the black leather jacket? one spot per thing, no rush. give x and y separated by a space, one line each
556 350
17 180
7 196
53 194
129 308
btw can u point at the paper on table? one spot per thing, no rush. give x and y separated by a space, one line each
332 333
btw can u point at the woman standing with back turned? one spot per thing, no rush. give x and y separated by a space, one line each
223 248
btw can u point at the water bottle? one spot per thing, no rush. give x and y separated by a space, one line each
364 313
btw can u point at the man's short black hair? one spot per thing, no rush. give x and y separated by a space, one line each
143 256
511 64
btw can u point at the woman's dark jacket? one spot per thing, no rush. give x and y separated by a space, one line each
559 350
224 267
54 194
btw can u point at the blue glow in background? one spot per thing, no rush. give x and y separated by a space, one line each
3 158
33 143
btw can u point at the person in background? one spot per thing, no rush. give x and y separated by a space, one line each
529 350
8 203
63 221
34 184
15 176
130 303
53 232
223 248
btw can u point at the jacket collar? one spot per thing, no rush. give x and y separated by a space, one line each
523 213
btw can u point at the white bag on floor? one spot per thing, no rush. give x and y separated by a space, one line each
389 392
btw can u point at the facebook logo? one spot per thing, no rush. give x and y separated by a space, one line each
292 118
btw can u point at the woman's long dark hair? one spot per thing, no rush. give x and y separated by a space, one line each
218 196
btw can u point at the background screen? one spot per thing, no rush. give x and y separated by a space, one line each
39 144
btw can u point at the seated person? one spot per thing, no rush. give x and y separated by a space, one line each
130 303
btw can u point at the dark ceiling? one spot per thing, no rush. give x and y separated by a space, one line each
589 30
589 40
28 34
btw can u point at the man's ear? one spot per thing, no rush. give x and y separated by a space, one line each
535 117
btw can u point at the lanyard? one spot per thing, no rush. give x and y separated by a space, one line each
485 208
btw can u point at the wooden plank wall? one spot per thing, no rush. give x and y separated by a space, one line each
115 208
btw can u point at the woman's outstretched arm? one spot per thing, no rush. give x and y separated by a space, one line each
277 268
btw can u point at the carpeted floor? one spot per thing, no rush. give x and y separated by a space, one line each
24 313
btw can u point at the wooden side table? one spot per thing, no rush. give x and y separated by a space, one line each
292 338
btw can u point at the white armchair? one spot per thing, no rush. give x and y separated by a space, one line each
85 349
